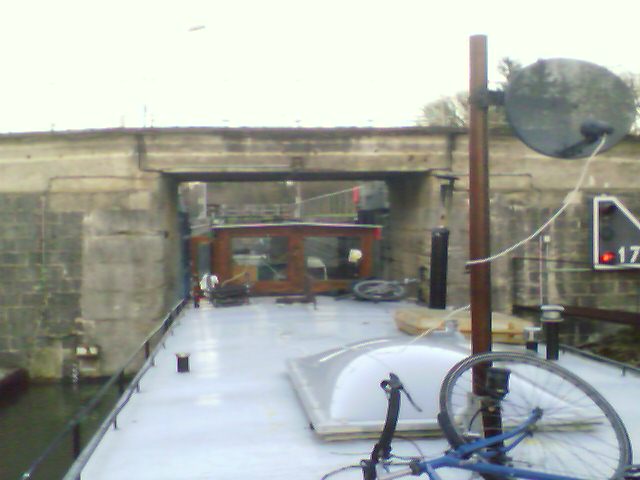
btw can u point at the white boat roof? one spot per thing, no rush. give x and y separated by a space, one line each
235 414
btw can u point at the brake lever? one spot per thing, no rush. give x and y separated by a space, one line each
394 383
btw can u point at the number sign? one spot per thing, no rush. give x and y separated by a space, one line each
616 235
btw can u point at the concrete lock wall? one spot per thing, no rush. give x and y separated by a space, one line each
90 245
86 244
526 189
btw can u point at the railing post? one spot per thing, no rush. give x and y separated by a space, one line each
121 382
76 441
147 350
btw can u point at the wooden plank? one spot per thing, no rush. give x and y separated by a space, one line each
419 320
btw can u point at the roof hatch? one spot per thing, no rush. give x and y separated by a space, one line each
340 388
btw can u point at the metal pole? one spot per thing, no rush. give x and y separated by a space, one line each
76 446
479 232
121 382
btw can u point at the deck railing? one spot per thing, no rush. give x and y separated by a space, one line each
624 367
72 430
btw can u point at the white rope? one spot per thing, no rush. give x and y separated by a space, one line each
565 204
331 194
440 325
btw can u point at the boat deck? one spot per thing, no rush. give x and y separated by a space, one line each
236 415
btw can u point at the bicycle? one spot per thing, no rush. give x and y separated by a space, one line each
513 415
382 290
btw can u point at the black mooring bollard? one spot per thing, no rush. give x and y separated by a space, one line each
183 362
438 276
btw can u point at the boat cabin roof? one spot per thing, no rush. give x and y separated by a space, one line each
285 225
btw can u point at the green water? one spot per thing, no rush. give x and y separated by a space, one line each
30 420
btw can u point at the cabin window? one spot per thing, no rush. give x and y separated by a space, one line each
203 259
262 258
327 258
277 258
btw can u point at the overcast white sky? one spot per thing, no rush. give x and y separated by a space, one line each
71 64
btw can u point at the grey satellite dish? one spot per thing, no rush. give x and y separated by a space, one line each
561 107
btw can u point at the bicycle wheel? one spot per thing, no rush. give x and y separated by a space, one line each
379 290
579 434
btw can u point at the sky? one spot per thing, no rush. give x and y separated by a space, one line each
79 64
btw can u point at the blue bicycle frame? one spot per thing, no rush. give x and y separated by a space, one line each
460 457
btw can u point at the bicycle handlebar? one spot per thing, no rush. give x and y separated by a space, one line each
382 449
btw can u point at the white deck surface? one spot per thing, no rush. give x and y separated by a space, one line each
235 414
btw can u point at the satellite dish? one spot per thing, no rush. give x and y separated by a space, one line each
561 107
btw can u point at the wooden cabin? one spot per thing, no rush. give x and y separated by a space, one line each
276 258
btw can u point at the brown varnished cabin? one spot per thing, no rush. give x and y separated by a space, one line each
276 258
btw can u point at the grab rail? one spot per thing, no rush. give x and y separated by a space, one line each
624 367
72 427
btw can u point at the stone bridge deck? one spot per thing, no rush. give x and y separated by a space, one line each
261 154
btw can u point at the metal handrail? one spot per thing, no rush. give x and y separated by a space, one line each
72 427
624 367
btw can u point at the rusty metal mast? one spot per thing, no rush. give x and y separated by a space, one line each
479 227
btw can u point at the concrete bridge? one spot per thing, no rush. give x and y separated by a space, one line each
90 249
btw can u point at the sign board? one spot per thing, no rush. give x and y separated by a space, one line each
616 235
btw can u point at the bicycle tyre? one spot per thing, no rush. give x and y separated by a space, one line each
379 290
580 435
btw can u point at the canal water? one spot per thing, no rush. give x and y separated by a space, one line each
30 420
